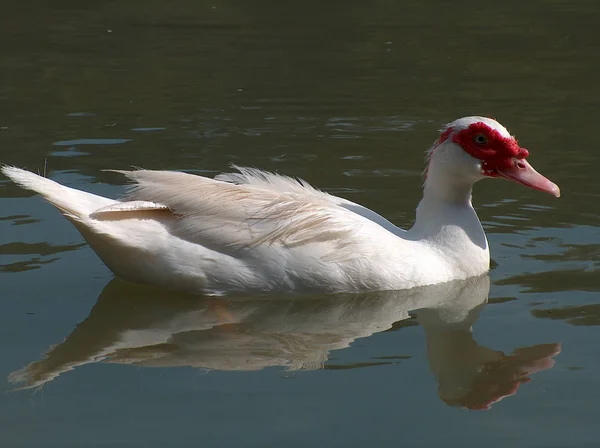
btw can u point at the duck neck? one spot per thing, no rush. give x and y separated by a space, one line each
446 201
443 188
446 219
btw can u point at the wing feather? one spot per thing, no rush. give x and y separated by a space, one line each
270 210
129 206
277 182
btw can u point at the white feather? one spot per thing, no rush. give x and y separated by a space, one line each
193 233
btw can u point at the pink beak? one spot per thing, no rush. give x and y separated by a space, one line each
523 173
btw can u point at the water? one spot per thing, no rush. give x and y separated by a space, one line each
347 95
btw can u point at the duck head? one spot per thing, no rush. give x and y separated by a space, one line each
473 148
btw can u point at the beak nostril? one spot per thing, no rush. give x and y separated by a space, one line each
521 165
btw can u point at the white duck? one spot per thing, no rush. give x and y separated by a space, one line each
255 231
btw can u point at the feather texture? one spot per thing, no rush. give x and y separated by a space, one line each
268 210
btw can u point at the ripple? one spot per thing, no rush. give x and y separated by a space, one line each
582 315
92 141
36 253
573 279
354 158
383 172
149 129
369 124
81 114
71 152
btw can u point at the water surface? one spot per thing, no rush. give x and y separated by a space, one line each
347 95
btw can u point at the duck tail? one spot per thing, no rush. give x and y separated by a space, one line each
74 204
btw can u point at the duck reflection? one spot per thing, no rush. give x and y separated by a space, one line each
143 326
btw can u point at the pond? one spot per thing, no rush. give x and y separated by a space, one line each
347 95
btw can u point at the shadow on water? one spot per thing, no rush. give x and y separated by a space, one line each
149 327
37 254
580 315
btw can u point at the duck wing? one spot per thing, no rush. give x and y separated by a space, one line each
247 209
277 182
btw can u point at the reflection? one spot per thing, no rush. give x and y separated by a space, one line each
471 375
143 326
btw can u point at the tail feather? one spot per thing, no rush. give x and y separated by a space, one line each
74 204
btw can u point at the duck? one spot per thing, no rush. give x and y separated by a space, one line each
253 231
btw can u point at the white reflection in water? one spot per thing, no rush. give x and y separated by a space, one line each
155 328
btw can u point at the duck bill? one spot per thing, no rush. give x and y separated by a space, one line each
523 173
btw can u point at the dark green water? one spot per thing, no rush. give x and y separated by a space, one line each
347 95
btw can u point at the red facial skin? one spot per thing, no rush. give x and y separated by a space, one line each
499 156
488 145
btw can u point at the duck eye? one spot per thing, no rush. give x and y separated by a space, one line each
480 139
